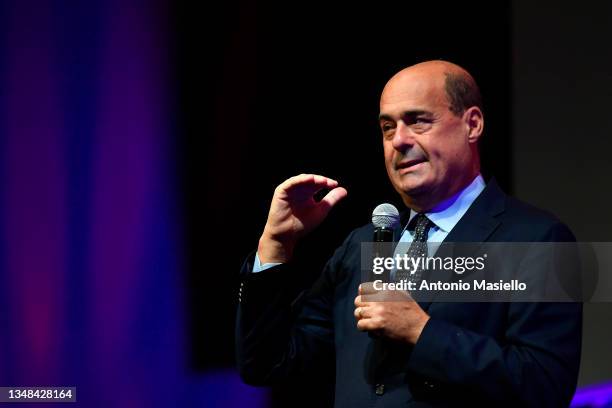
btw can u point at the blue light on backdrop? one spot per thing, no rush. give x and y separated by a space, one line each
92 277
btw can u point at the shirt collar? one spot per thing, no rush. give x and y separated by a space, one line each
448 213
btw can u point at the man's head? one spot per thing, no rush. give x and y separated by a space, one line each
431 120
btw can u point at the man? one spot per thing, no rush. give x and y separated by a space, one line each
417 354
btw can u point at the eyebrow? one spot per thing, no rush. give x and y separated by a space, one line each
417 112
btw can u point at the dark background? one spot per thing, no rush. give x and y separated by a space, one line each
271 93
268 91
562 135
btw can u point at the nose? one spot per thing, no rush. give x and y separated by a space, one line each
403 139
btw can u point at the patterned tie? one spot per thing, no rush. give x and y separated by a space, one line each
418 247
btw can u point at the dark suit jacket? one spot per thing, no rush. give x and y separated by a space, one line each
469 354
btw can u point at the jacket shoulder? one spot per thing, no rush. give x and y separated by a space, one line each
533 223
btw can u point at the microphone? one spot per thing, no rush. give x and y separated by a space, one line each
385 218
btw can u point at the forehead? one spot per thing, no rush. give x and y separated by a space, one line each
414 91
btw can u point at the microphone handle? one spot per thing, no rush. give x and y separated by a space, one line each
382 236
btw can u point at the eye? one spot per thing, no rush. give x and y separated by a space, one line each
421 120
421 124
386 126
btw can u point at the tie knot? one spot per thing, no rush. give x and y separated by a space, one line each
420 225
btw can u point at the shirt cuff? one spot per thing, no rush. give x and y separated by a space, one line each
258 267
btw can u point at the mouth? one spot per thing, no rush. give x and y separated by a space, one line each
409 164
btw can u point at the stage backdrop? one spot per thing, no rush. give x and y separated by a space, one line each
91 261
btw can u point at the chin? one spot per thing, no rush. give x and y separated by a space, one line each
410 182
411 189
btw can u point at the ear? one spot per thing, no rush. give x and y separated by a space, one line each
474 121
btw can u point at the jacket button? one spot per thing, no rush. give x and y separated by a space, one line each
380 389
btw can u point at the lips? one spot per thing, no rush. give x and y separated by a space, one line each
409 163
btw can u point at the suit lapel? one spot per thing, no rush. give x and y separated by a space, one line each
477 225
479 221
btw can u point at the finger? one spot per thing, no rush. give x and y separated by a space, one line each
362 312
325 181
387 296
367 288
367 325
314 181
333 197
363 296
309 187
360 302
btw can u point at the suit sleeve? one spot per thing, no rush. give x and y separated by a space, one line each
282 330
536 364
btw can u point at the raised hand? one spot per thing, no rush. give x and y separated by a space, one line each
294 212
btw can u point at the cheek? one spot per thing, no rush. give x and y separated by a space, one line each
447 153
388 153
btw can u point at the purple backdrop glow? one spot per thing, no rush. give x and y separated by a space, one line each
91 276
91 283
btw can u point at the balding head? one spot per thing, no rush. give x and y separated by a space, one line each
431 121
460 88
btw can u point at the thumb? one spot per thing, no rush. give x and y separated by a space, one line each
332 198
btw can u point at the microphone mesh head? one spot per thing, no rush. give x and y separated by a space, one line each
385 216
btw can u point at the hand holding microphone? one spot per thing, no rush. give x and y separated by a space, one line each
387 313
